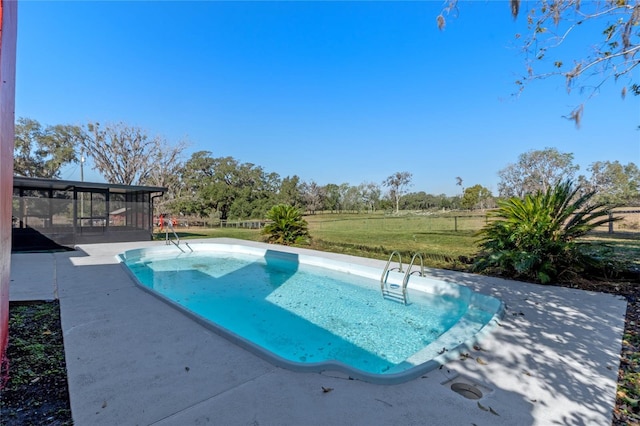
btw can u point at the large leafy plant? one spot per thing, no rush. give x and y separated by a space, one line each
535 238
287 225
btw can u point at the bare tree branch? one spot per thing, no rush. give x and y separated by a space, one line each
616 55
127 155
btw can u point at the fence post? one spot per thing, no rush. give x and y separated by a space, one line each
610 222
455 220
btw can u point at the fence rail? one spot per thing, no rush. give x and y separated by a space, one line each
247 224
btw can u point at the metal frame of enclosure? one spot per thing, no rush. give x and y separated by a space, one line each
66 213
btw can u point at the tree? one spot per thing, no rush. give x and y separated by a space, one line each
452 203
227 182
536 171
287 225
335 196
613 182
475 197
552 23
353 200
254 192
168 164
415 201
535 238
195 176
290 191
313 196
370 195
42 152
126 155
332 197
398 184
224 188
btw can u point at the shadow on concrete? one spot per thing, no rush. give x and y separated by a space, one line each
31 240
568 341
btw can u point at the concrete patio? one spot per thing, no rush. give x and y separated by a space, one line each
134 360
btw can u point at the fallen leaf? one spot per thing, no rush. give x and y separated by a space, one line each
104 404
482 407
325 390
492 411
481 361
477 348
46 332
526 373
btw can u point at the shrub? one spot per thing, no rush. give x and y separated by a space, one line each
287 225
535 238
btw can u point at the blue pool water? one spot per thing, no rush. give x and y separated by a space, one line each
307 314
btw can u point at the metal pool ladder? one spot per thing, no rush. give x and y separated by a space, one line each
177 239
395 291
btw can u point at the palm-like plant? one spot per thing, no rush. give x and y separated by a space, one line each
535 238
287 225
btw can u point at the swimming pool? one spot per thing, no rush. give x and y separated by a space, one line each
311 313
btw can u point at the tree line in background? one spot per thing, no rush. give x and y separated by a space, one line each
222 187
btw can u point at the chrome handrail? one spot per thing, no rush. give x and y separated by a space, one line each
173 231
386 269
405 281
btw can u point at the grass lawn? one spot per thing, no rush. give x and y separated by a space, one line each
447 240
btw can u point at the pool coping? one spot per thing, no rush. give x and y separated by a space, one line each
417 283
131 359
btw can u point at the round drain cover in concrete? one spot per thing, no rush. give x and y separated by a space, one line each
467 390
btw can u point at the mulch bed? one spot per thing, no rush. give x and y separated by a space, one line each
35 392
627 409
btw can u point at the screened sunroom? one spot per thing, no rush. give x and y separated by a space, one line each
49 213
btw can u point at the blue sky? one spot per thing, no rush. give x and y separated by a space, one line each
332 92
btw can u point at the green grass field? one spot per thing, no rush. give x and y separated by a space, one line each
444 240
440 239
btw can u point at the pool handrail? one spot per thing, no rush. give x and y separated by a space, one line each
170 240
405 281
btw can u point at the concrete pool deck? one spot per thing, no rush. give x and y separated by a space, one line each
134 360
